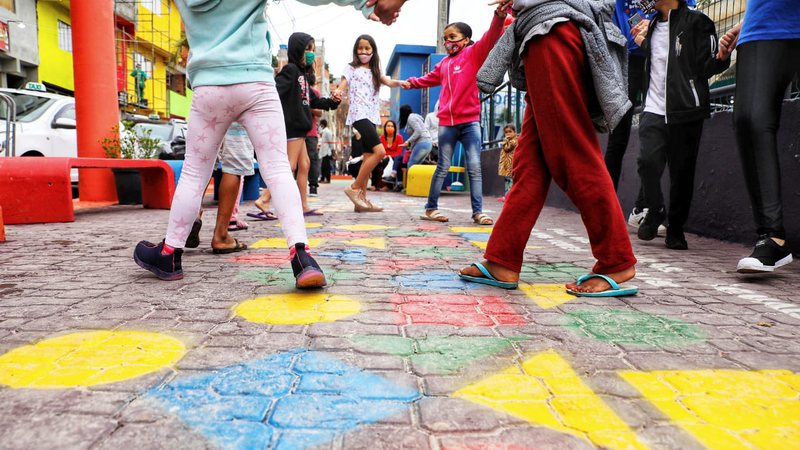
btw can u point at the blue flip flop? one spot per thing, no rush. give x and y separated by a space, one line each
615 290
488 278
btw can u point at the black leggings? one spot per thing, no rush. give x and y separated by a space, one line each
763 72
618 138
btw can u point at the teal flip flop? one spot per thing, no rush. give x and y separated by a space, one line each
489 279
615 290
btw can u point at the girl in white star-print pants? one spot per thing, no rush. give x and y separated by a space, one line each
257 107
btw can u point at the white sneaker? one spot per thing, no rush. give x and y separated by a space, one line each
636 218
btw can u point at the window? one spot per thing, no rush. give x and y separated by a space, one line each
153 5
64 37
8 5
145 64
67 112
176 82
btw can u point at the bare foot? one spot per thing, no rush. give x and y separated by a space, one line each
600 285
499 272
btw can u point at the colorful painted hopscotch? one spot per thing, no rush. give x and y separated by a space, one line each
297 308
89 358
455 310
727 409
546 391
288 401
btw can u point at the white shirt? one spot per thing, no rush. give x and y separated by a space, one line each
365 102
432 122
325 139
656 101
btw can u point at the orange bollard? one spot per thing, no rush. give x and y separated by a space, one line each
96 109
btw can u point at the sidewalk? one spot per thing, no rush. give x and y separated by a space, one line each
397 352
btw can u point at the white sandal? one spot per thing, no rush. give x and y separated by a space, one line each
482 219
434 216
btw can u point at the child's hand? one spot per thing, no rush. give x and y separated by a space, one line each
405 84
337 95
386 11
727 43
502 7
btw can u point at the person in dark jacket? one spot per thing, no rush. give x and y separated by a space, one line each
297 100
680 45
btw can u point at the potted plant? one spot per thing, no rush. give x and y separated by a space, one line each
127 144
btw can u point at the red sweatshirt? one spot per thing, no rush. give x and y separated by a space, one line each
459 101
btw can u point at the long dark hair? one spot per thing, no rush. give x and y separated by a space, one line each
405 112
385 135
374 63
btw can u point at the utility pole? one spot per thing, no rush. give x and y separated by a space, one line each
444 17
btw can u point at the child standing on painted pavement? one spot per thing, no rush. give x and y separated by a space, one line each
459 109
297 99
565 79
362 80
507 157
680 45
229 68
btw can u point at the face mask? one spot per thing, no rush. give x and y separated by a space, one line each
310 58
364 57
454 47
647 6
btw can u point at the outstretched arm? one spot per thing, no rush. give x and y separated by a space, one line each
385 80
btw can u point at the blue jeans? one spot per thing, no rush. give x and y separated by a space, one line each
469 134
419 152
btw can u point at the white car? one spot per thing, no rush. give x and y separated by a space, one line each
45 124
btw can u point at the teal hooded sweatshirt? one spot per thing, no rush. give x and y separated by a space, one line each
227 39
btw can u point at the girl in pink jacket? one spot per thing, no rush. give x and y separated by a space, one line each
459 108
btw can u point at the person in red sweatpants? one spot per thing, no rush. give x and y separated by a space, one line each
558 142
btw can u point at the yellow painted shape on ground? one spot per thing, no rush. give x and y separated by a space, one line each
727 409
368 242
88 358
548 392
297 309
480 244
547 295
362 227
484 229
308 225
281 243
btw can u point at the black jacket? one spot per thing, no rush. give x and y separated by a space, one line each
297 97
690 63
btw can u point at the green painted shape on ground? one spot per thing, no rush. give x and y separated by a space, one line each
405 233
556 272
621 326
272 277
436 252
438 354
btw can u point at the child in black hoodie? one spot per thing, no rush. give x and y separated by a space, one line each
297 99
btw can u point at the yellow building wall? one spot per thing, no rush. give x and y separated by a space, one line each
55 65
158 37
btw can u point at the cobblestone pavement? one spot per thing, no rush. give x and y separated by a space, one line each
396 352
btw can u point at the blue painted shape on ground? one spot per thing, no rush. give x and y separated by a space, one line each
480 237
299 399
432 281
354 255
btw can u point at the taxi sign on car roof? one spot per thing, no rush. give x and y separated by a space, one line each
31 86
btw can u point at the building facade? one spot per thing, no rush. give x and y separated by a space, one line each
19 46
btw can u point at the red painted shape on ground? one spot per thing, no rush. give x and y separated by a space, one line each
395 265
341 235
262 259
416 241
456 310
428 228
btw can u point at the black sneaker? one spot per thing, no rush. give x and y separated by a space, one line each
307 273
312 191
766 257
648 230
676 240
166 267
